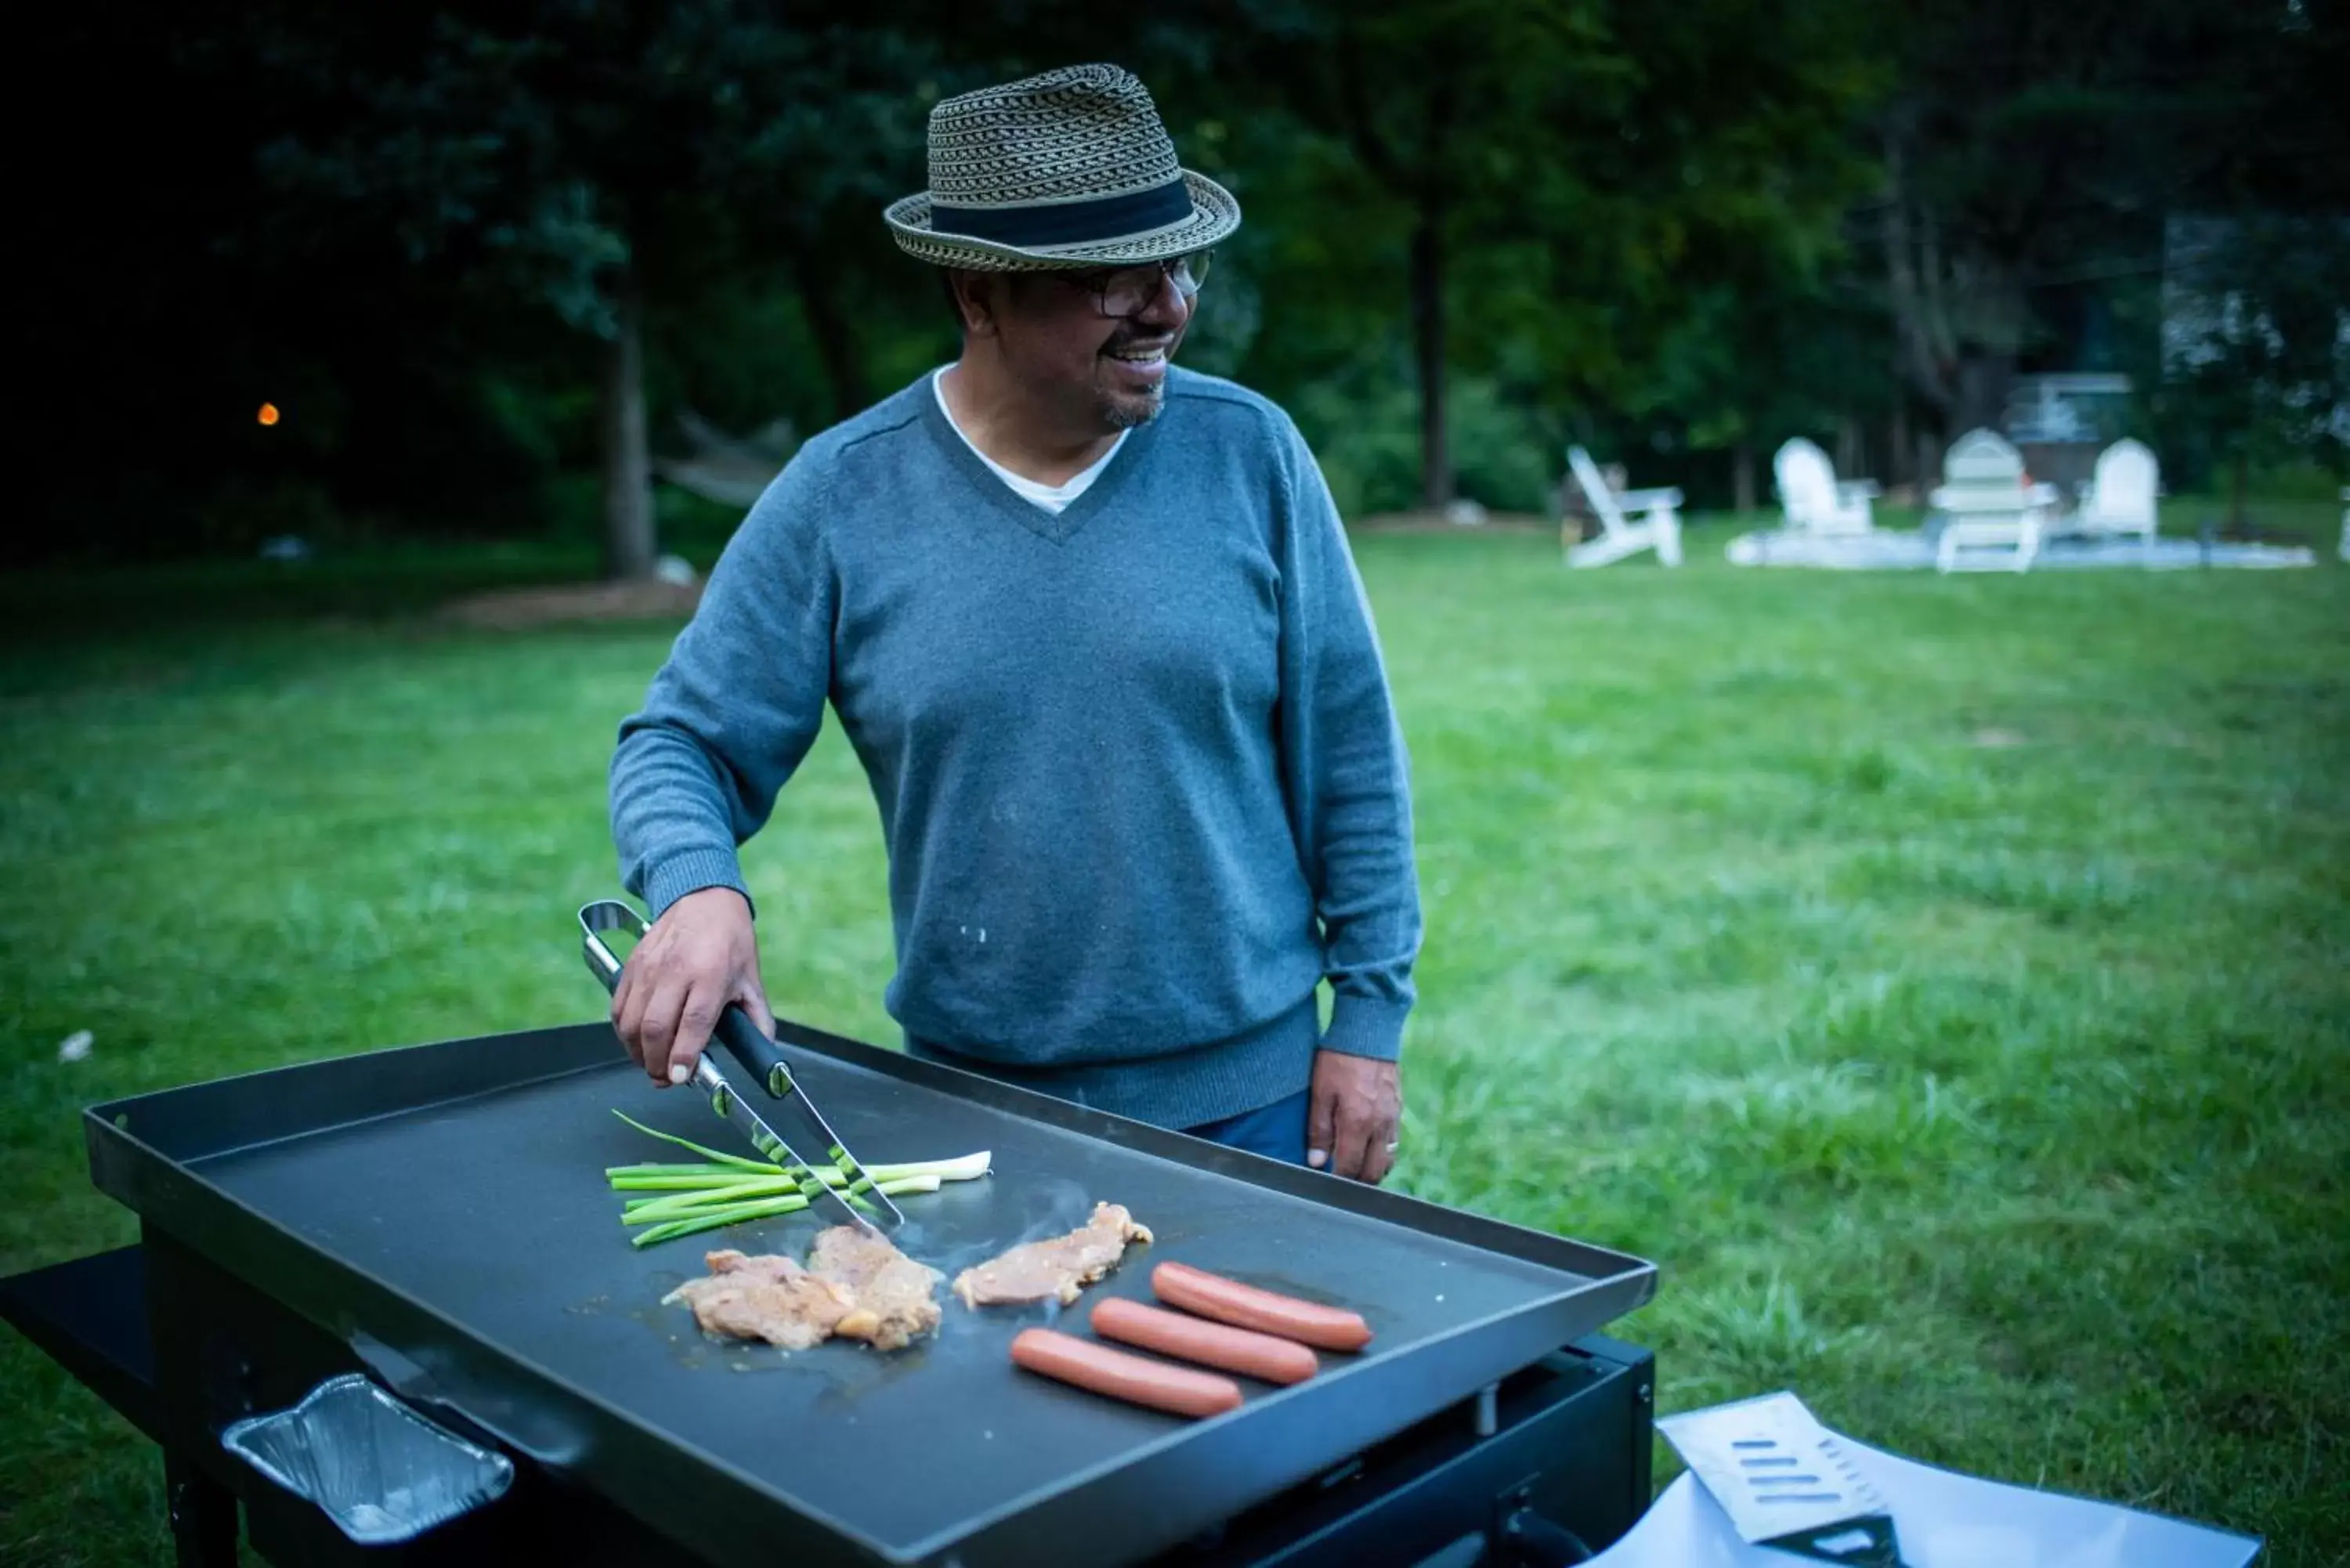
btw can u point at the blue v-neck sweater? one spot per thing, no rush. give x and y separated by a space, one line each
1140 776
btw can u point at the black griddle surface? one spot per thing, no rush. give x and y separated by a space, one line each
492 1211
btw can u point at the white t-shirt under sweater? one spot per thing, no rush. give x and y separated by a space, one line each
1051 497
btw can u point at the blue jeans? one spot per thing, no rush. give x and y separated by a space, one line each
1276 1131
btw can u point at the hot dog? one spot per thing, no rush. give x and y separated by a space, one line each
1216 1345
1245 1306
1135 1378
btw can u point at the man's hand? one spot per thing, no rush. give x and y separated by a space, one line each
698 957
1357 1108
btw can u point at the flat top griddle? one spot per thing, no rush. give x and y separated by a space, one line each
459 1188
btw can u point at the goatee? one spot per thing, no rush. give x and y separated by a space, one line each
1122 414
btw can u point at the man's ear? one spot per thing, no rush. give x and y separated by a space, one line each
976 301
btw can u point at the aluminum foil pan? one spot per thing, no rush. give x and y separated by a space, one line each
382 1472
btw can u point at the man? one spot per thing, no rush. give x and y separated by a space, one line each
1092 627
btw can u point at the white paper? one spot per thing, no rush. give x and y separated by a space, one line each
1944 1521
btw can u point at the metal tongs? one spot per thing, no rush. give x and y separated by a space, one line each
861 1198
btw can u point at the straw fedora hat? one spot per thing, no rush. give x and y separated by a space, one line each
1070 169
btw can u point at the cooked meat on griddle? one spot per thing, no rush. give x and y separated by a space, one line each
895 1296
1054 1269
858 1286
767 1298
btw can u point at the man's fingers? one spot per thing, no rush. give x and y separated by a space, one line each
658 1029
754 999
1350 1138
1386 1130
695 1022
1319 1125
699 956
626 1012
634 1012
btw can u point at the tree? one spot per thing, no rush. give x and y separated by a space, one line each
1557 177
597 160
1764 358
2256 345
2030 147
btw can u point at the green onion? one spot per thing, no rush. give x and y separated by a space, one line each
645 1211
679 1200
712 1217
710 1154
709 1176
671 1179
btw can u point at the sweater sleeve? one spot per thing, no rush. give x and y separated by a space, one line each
734 708
1347 773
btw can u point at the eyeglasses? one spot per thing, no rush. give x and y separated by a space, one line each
1128 291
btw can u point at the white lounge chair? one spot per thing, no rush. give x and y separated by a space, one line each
1992 520
1658 526
2120 496
1814 501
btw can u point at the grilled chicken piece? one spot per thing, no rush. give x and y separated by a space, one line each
767 1298
895 1296
1054 1269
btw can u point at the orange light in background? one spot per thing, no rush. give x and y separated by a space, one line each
268 414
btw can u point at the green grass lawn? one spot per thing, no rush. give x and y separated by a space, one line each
1946 981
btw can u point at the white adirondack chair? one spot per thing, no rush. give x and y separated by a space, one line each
1657 528
1993 521
2120 496
1814 501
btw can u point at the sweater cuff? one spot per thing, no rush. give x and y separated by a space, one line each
691 872
1366 1026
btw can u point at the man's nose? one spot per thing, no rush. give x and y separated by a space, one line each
1168 306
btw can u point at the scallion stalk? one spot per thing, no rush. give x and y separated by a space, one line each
710 1154
679 1200
737 1213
